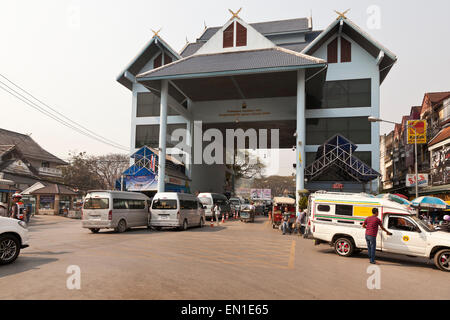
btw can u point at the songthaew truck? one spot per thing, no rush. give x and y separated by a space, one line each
336 218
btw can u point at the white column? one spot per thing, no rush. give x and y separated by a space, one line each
133 123
189 141
301 135
162 136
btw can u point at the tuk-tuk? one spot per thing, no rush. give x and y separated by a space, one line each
247 213
280 204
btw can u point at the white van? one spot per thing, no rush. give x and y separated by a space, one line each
176 210
337 218
209 200
117 210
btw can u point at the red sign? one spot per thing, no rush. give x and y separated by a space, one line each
339 186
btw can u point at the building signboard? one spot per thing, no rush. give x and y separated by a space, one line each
417 129
440 165
411 180
261 194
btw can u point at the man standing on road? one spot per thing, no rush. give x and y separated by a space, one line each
217 212
371 225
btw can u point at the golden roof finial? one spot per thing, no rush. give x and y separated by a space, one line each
235 14
342 14
156 33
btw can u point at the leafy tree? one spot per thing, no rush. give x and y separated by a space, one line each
94 172
244 168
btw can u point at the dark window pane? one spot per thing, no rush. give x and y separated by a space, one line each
162 204
343 94
167 59
158 61
148 105
323 208
228 36
241 35
148 135
356 129
346 50
332 51
343 210
364 156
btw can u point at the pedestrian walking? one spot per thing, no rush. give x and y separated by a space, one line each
371 225
286 215
217 212
17 208
3 209
299 223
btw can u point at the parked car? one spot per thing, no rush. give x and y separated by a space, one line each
176 210
13 238
118 210
336 219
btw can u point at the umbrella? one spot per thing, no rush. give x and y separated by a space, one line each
429 202
401 196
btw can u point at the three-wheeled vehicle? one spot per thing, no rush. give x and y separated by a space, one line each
281 204
247 213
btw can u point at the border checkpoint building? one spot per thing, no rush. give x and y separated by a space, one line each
317 87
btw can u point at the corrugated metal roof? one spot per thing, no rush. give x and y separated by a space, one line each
191 48
281 26
54 189
268 27
275 57
27 146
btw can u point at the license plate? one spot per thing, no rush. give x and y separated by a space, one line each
164 217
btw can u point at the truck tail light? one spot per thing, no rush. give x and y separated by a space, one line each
178 215
110 215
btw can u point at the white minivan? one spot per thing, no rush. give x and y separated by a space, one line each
209 200
118 210
176 210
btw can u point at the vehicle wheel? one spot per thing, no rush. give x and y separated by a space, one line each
202 223
121 226
157 228
442 260
94 230
184 227
344 247
9 249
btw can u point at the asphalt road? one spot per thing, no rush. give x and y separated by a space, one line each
232 261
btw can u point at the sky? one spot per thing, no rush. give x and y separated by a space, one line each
68 54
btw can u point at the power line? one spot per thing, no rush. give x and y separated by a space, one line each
72 124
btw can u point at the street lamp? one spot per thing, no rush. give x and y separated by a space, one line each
373 119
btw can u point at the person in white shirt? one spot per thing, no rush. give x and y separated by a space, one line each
217 212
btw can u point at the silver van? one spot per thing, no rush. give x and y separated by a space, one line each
209 200
176 210
118 210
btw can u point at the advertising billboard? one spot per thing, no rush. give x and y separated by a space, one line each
417 128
